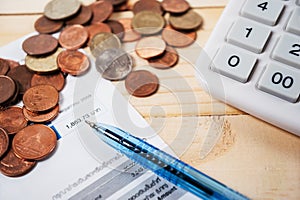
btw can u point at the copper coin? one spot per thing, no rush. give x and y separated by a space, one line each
123 7
61 9
34 142
57 80
22 75
40 98
73 37
83 17
148 22
116 28
175 6
4 66
73 62
12 63
147 5
149 47
168 59
40 44
129 35
4 142
117 2
187 21
7 89
101 11
13 166
94 29
178 39
12 119
141 83
41 117
45 25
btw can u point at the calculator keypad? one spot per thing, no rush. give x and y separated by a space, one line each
293 25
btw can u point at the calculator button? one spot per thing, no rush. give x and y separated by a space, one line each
234 63
266 12
293 24
287 50
281 81
249 35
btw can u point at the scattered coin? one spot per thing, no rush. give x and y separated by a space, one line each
7 89
149 47
175 6
187 21
147 5
129 34
101 11
12 120
168 59
34 142
40 98
41 117
47 26
22 76
41 44
178 39
13 166
73 62
73 37
57 80
117 2
114 64
103 41
61 9
4 142
4 66
82 17
12 63
141 83
148 22
94 29
116 28
45 64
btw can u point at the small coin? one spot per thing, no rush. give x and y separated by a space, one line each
41 117
178 39
73 62
4 142
4 66
141 83
57 80
175 6
40 98
61 9
34 142
187 21
103 41
22 75
147 5
12 120
82 17
94 29
45 64
47 26
13 166
114 64
149 47
148 22
129 35
168 59
117 2
41 44
12 63
7 89
73 37
116 28
101 11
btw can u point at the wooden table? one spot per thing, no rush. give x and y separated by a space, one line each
245 153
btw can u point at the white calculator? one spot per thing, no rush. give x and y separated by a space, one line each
252 60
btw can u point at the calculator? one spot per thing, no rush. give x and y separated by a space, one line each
252 60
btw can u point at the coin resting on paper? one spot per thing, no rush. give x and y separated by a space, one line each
30 96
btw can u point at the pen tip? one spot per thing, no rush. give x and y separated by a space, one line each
91 124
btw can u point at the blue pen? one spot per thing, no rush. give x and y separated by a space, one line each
163 164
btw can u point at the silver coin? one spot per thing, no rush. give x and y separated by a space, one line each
114 64
103 41
61 9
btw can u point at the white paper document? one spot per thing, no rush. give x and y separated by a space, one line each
82 166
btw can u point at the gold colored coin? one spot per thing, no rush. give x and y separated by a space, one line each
103 41
188 21
61 9
150 47
148 22
43 64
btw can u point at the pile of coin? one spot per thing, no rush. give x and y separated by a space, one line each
24 139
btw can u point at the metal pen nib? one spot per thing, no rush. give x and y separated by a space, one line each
94 126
